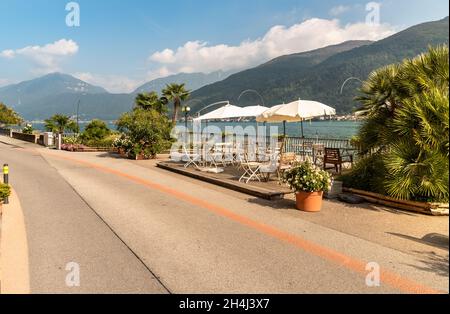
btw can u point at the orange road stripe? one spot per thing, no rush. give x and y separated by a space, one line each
392 279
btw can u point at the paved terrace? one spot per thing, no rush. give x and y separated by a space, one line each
133 227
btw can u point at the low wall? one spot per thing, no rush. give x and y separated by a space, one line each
40 140
32 138
4 131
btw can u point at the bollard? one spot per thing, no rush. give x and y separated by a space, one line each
6 180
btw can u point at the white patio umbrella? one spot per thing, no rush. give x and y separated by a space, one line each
266 116
299 110
253 111
225 112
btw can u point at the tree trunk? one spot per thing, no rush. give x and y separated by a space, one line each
176 108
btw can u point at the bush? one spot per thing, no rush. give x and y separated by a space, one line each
105 142
368 174
407 127
307 178
5 191
95 132
72 140
28 129
148 130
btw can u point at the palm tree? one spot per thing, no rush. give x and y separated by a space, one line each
407 125
379 101
176 93
59 123
151 100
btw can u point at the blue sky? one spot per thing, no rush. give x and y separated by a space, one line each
120 44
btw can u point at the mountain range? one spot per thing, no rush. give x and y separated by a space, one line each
316 75
319 75
193 81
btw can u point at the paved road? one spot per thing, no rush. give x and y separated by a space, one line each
133 229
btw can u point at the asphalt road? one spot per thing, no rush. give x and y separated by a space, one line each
133 229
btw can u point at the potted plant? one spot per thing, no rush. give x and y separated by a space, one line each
309 183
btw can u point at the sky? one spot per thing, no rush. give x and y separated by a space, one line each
121 44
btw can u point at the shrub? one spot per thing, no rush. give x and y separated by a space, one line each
368 174
8 116
5 191
28 129
96 130
407 124
307 178
72 140
148 130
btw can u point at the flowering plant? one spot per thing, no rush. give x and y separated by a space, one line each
307 178
123 142
28 129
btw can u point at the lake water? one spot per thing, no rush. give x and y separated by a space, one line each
320 129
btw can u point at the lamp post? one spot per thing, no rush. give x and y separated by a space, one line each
186 111
78 114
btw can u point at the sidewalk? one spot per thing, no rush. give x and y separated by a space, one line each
412 233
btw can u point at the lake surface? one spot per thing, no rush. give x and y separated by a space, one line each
320 129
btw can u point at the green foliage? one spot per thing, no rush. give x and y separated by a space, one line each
148 101
28 129
176 93
59 123
72 140
9 116
104 142
5 191
96 130
148 131
368 174
308 178
407 110
123 142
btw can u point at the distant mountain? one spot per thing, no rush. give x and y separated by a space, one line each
40 98
316 75
52 84
104 106
319 74
193 81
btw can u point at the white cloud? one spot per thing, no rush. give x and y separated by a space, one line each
112 83
4 82
47 58
8 54
198 56
340 9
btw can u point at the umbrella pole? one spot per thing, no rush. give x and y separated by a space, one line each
284 128
303 136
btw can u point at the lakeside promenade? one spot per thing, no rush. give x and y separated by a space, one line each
135 228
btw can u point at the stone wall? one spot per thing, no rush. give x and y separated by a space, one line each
32 138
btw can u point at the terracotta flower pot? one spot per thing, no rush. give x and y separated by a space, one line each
309 201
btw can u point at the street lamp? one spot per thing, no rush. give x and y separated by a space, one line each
186 111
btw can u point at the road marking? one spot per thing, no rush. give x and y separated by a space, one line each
392 279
